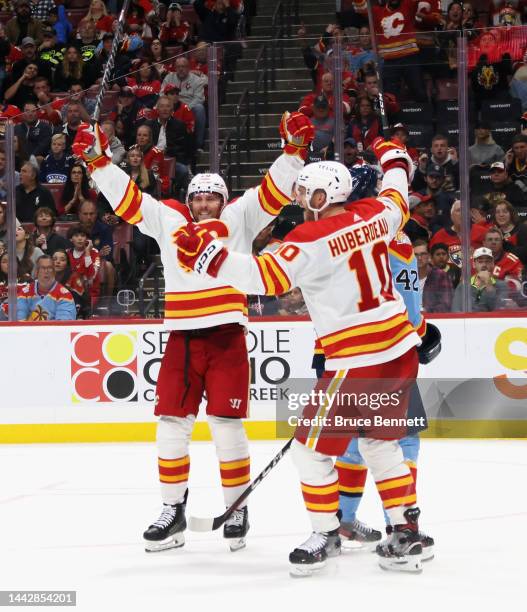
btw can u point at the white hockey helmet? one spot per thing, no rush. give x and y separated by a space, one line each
207 182
330 176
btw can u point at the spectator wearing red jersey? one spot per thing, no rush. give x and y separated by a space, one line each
394 24
505 218
198 58
72 281
76 191
506 265
366 126
84 260
451 236
181 110
174 30
326 90
422 212
146 83
100 17
8 111
47 108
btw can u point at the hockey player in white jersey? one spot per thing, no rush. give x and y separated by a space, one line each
340 262
206 349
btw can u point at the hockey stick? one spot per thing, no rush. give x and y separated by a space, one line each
211 524
111 61
384 117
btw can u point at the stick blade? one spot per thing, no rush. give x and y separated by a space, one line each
200 524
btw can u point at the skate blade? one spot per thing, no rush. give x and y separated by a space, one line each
428 554
356 546
236 543
174 541
411 564
305 571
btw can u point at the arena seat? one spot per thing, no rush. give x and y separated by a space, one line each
420 135
504 131
416 113
501 109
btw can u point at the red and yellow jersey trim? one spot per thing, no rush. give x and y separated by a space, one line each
271 199
421 328
273 276
367 338
129 208
191 304
400 201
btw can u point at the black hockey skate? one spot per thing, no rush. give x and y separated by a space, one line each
357 535
402 551
236 528
313 553
427 542
168 531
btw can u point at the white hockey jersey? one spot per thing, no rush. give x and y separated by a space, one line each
193 302
341 264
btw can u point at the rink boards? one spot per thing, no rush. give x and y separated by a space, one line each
95 381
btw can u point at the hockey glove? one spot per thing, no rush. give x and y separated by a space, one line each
199 250
91 145
393 154
298 133
431 344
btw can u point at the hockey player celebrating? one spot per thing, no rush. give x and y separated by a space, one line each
341 264
206 318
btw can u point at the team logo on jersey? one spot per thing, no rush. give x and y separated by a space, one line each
104 366
236 403
393 25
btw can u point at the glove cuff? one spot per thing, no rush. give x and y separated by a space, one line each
217 262
98 162
300 151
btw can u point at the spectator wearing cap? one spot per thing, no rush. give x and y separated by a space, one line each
451 236
56 167
191 92
441 155
128 107
50 52
324 124
484 151
439 258
435 284
401 133
366 127
486 292
174 30
36 132
434 180
31 56
422 212
326 90
371 89
516 162
506 265
181 110
351 153
23 25
502 187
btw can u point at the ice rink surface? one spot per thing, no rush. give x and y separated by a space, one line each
72 516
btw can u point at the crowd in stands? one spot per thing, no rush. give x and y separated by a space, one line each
52 57
417 44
